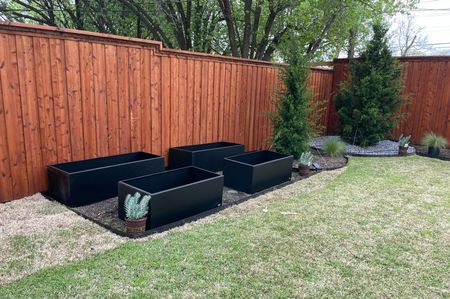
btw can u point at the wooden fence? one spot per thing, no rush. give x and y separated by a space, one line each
427 84
67 95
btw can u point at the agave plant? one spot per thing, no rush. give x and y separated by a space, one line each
306 158
434 141
403 141
136 208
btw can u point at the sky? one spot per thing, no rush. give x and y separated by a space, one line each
434 17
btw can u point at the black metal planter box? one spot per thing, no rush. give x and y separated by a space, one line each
208 156
175 194
88 181
256 171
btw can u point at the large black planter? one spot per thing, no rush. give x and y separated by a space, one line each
175 194
88 181
207 155
256 171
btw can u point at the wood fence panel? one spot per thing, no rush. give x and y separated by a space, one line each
425 83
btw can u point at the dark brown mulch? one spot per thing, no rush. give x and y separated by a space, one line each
105 212
423 151
323 162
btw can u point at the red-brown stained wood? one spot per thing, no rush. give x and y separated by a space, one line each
182 101
69 95
204 103
165 108
25 57
155 96
197 101
146 114
112 99
101 106
88 100
190 102
124 104
210 136
174 106
6 192
74 103
45 101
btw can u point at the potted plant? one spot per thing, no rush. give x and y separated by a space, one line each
304 163
403 144
136 211
435 143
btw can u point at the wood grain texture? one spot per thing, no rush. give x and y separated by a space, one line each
69 95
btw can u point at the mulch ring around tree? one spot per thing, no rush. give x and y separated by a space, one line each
444 154
105 213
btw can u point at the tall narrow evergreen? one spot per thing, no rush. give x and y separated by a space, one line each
368 104
291 125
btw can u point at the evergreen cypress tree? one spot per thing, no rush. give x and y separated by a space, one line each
369 102
292 128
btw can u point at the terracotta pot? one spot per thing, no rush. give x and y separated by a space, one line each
402 150
303 169
136 225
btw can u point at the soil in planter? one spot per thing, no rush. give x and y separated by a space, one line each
423 150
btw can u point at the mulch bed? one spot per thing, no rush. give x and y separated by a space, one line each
105 213
422 150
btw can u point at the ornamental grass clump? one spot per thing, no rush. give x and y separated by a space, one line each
334 147
403 144
435 143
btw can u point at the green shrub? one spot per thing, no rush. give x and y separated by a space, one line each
433 140
136 208
368 103
334 147
292 127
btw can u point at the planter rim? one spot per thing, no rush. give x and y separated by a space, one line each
229 144
216 175
55 166
252 152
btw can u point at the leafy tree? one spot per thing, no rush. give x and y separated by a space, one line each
243 28
292 128
368 103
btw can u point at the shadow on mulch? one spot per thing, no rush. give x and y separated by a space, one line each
422 150
105 213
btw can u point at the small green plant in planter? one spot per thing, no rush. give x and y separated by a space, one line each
403 144
334 147
136 211
304 163
435 143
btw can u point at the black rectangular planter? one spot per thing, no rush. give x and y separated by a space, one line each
256 171
175 194
84 182
208 156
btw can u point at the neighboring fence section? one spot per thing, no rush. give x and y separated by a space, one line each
427 84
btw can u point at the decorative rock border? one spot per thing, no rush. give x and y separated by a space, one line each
384 148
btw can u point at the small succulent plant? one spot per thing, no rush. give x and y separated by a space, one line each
136 208
334 147
435 141
403 141
306 158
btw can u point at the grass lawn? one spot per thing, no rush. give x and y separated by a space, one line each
381 229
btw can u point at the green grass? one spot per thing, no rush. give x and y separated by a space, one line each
379 230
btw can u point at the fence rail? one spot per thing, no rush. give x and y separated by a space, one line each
67 95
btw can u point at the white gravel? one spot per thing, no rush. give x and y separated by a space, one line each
382 148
